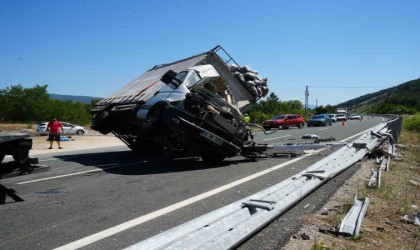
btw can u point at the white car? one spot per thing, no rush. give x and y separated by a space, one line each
341 117
69 129
355 117
333 117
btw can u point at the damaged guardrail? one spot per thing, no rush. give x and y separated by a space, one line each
228 227
353 219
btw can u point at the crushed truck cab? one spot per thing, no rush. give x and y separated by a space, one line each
193 105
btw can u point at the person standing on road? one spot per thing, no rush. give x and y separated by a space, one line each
54 132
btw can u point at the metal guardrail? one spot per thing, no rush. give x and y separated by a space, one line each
353 219
228 227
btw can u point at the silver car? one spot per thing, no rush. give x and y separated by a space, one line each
69 129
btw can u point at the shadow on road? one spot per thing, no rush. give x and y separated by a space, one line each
130 163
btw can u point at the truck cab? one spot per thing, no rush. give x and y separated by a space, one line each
200 79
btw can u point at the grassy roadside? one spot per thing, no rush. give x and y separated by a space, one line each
383 226
399 195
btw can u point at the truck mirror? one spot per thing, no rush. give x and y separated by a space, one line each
169 77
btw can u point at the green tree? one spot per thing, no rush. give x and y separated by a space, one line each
34 104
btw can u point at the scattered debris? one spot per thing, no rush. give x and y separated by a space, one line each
388 222
414 183
304 236
309 136
359 145
352 222
380 229
375 179
412 218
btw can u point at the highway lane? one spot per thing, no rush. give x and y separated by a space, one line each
104 191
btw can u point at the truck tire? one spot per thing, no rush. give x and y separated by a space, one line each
155 112
101 122
301 125
212 157
281 126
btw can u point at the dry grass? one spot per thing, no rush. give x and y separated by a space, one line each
14 127
382 227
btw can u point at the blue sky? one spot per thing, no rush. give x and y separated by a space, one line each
340 49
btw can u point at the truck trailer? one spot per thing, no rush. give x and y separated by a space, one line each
193 105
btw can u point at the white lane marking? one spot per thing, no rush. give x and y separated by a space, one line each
142 219
348 138
78 173
323 128
276 138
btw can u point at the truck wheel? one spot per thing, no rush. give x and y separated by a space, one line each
281 126
155 112
212 158
301 125
101 122
80 132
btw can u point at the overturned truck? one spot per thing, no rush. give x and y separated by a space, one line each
194 105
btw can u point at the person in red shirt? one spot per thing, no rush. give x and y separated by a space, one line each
54 132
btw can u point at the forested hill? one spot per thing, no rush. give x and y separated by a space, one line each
74 98
402 98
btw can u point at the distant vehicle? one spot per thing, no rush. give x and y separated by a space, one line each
333 117
355 117
341 117
284 121
320 120
69 129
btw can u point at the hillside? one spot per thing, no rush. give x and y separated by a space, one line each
74 98
403 98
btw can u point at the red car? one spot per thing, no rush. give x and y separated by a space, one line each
284 121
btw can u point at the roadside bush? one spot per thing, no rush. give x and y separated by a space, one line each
412 123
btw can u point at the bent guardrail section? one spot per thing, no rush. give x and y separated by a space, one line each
227 227
353 219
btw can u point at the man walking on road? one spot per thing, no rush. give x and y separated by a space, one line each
54 132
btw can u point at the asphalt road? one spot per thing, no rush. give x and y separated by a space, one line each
111 198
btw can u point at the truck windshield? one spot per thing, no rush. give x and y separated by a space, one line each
179 77
192 79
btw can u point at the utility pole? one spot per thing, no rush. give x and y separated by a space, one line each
306 100
316 105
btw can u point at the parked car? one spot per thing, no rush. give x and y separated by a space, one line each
341 117
284 121
333 117
355 117
69 129
320 120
